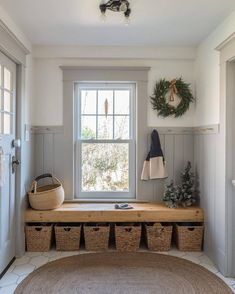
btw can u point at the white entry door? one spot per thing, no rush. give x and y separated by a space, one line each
7 156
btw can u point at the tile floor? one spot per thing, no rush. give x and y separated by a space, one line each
31 260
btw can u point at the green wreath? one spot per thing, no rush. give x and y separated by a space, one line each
177 86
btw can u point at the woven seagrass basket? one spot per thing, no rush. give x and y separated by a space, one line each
96 236
189 237
38 238
67 237
46 197
127 236
158 236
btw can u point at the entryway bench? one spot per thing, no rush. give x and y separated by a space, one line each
105 212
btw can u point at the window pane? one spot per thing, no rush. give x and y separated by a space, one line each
105 167
7 79
1 123
7 124
105 127
105 102
7 101
88 127
122 102
121 127
1 101
88 102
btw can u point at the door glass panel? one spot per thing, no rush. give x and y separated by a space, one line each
1 101
7 124
7 79
7 101
0 123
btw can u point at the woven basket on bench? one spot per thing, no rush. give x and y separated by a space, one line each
38 238
158 236
96 236
67 237
189 237
127 237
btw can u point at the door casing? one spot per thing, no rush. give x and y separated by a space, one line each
227 111
16 50
8 222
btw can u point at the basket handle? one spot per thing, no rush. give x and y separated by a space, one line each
67 229
128 230
43 177
38 229
96 229
35 182
191 229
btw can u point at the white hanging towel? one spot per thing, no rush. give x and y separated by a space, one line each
154 165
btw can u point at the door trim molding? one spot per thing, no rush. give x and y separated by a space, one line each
13 48
227 74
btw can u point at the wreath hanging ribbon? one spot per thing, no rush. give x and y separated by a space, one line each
173 89
176 87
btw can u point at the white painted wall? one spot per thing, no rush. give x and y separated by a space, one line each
14 28
207 73
210 153
47 98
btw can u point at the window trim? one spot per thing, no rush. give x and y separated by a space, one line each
79 194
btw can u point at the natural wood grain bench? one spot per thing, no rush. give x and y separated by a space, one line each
105 212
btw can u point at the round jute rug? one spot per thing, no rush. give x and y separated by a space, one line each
122 273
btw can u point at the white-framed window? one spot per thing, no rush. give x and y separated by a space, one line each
105 140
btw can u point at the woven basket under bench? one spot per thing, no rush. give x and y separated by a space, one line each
67 237
158 236
96 236
38 237
128 236
189 237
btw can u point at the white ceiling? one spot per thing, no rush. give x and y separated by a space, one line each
77 22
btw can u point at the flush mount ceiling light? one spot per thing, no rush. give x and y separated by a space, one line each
116 6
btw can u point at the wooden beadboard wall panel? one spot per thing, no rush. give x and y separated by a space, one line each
205 167
39 154
177 145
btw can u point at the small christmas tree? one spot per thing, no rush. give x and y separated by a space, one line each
187 187
183 194
171 196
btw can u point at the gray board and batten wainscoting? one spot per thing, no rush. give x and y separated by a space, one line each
178 144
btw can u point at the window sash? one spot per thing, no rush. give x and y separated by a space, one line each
79 141
105 194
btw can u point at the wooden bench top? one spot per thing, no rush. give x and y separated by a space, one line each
105 212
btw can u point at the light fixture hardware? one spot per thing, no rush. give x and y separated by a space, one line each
116 6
